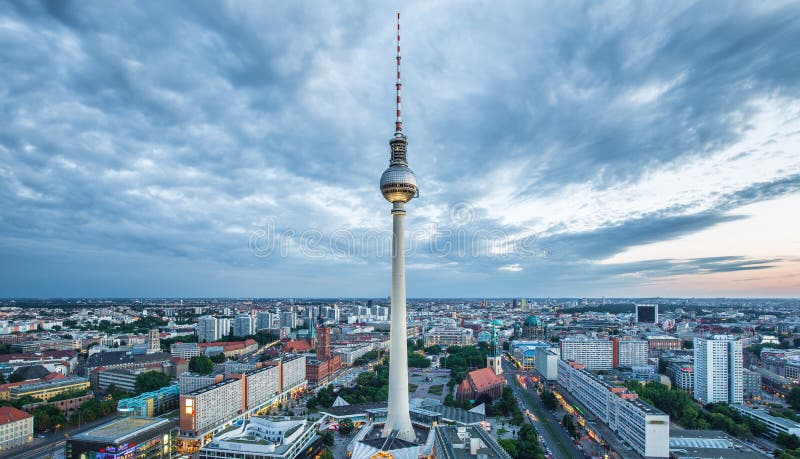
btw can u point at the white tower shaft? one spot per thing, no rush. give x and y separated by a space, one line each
398 417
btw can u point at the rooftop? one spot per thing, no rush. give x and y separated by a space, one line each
121 429
10 414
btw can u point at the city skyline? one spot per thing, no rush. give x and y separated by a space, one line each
620 152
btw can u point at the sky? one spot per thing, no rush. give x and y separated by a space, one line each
233 149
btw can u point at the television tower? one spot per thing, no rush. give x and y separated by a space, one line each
398 186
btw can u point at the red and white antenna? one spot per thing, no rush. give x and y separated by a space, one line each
398 124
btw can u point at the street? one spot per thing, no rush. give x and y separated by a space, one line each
553 435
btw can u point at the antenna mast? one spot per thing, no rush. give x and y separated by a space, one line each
398 124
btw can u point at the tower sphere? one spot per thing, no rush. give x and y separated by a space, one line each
399 184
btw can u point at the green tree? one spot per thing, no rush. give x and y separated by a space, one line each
327 438
47 417
150 381
218 358
327 454
346 427
569 425
793 398
549 400
510 446
787 441
201 364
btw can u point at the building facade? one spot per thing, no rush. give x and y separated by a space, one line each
639 424
16 428
718 370
629 352
207 329
594 353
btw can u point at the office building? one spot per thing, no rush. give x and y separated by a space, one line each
718 370
682 375
448 336
628 352
134 436
120 378
184 350
642 426
263 438
207 329
663 342
16 428
647 313
242 325
150 404
775 425
594 353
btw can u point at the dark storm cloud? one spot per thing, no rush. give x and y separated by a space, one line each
166 133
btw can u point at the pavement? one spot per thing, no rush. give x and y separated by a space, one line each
554 436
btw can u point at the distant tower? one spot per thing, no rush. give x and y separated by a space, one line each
323 343
154 341
494 359
398 186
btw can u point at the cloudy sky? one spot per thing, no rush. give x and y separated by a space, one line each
234 149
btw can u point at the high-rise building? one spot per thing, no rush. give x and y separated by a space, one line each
242 325
593 353
647 313
207 329
718 369
629 352
398 185
288 319
264 320
223 327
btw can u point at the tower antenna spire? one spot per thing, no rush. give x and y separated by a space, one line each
398 124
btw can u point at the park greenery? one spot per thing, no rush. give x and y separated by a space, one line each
370 387
691 415
526 446
460 360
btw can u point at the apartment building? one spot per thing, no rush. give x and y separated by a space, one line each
594 353
639 424
718 370
629 352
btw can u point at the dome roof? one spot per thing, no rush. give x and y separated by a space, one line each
533 321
